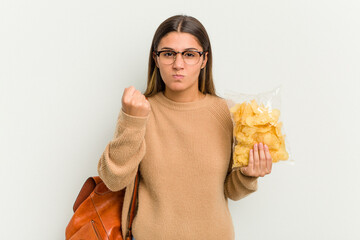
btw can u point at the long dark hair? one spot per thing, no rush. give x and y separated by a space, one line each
185 24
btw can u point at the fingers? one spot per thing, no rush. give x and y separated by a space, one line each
268 160
251 160
256 158
131 93
253 166
134 102
249 169
260 161
127 95
138 98
131 90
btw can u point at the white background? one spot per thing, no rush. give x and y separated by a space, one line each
64 66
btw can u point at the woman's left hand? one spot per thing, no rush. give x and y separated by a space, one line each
260 162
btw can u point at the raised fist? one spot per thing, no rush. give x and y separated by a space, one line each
134 103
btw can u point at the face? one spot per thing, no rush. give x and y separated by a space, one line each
179 76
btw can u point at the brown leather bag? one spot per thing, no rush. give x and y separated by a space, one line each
97 212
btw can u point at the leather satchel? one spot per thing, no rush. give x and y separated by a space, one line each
97 212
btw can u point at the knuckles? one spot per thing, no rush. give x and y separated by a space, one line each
134 102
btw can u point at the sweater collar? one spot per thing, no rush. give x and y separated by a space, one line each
161 98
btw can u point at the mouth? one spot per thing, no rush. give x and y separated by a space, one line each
178 76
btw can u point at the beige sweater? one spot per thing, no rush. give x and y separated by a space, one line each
184 154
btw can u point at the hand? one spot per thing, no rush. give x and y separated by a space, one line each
134 103
260 162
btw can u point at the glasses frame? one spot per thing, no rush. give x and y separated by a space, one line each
157 53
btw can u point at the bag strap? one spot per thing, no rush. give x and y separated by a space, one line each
133 204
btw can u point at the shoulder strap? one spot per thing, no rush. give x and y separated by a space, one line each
133 203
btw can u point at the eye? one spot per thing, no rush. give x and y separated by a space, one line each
167 54
190 54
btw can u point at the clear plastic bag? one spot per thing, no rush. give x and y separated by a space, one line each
256 118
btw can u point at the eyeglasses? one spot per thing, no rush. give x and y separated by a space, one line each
189 57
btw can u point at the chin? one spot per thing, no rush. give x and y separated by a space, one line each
176 87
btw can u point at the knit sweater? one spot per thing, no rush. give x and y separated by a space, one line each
184 152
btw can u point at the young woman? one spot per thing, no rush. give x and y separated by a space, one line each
179 135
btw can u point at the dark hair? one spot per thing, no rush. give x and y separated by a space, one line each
185 24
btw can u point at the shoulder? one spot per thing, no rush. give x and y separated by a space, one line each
220 110
219 105
154 99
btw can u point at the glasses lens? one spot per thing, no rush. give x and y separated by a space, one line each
189 57
167 57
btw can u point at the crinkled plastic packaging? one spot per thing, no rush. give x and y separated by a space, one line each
257 119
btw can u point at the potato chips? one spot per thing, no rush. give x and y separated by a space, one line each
255 124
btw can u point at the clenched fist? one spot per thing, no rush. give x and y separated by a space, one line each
134 103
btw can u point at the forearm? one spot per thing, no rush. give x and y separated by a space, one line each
119 162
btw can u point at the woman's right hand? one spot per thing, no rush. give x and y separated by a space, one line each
134 103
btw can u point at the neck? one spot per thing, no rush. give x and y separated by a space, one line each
183 96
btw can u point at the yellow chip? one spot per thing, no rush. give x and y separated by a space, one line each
254 107
249 130
263 128
243 139
275 114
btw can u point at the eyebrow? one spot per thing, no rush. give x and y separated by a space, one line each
186 49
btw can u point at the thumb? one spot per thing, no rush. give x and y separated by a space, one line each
244 170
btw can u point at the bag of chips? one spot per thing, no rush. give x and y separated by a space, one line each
256 119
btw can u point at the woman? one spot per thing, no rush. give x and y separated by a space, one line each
179 134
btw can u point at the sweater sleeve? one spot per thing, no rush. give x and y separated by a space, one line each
238 186
119 162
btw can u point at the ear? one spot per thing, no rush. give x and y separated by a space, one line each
204 61
155 59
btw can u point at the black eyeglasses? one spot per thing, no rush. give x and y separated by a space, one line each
190 57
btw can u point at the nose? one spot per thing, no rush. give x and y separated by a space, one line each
179 61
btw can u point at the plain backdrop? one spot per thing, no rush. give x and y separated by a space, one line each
64 66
